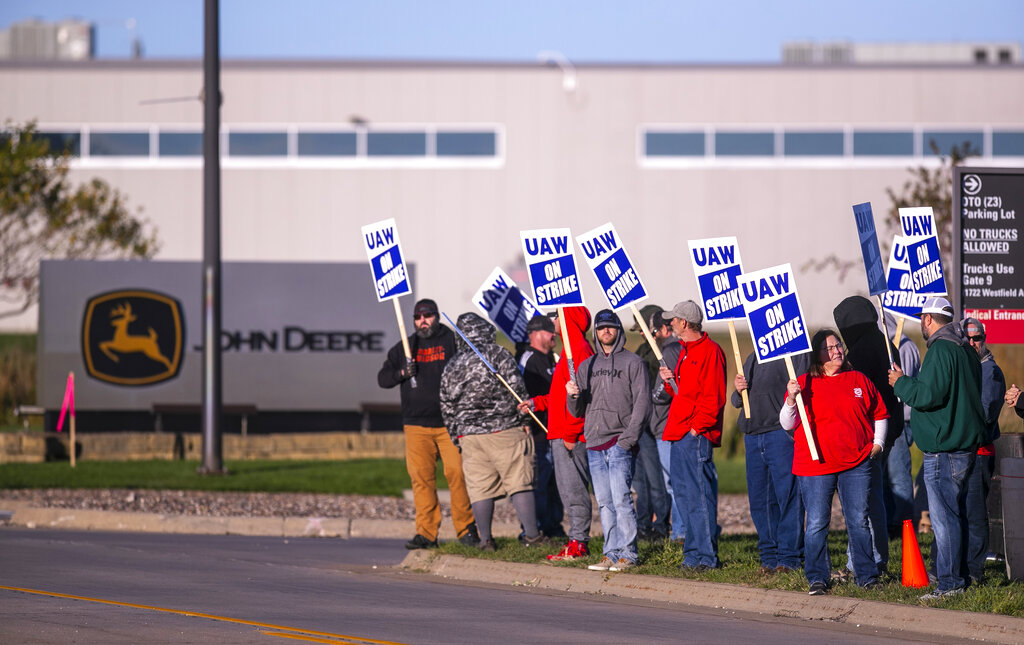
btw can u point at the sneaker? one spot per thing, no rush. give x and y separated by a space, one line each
842 575
622 565
766 571
783 569
471 537
604 565
941 594
420 542
535 541
488 545
571 551
817 589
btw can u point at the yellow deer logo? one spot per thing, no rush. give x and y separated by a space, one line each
125 343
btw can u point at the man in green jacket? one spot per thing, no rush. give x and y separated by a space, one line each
949 426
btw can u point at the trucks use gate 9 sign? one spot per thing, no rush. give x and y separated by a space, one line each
988 206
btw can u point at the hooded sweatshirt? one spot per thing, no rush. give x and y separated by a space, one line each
420 406
857 321
946 395
561 424
473 400
613 399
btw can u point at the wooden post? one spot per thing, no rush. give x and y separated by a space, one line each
739 367
899 333
654 345
505 383
803 413
405 337
888 345
566 344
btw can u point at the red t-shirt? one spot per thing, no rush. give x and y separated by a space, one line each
842 410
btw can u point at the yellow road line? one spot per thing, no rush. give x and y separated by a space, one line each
196 614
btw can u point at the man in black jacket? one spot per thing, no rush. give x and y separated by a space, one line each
426 438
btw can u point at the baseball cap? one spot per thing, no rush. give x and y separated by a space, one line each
973 327
607 318
540 322
646 312
687 310
937 305
658 320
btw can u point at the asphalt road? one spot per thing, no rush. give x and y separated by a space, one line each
118 588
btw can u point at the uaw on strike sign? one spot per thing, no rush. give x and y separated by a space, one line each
384 252
922 242
716 263
774 314
605 256
900 298
500 299
551 264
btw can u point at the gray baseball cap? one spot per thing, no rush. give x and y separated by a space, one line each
687 310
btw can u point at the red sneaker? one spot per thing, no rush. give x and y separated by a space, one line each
571 551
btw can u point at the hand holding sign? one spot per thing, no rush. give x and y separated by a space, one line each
776 324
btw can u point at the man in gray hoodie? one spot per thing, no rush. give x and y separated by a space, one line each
611 394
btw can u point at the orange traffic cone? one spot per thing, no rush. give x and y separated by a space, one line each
914 574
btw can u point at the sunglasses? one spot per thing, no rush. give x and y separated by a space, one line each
976 339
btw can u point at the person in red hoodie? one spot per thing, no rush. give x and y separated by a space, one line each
565 433
694 426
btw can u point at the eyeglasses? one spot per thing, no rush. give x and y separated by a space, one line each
421 316
976 339
833 349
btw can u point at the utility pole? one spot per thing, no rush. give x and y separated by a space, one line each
213 392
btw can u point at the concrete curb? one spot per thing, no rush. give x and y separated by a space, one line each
798 606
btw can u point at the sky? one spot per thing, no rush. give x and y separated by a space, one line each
614 31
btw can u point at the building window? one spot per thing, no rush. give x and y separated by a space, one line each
1008 144
745 144
466 144
981 56
944 142
883 144
396 144
180 144
60 142
258 144
813 144
1004 56
674 144
118 144
327 144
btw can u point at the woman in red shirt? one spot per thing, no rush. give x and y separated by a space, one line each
848 423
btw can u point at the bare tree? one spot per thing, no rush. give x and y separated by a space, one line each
43 215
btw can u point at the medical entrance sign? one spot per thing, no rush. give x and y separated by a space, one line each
774 314
551 263
602 248
501 301
384 251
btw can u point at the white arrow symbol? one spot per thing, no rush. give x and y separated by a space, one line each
972 184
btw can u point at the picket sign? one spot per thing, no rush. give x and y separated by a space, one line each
500 300
607 258
877 285
492 369
69 406
922 243
776 323
900 298
716 264
387 266
554 278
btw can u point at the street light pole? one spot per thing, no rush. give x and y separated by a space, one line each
213 403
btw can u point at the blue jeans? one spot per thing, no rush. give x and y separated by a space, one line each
774 496
676 517
977 515
899 488
695 487
651 496
611 472
945 478
876 522
817 492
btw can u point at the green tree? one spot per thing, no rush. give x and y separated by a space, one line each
44 215
925 187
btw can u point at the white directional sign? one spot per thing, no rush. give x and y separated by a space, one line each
602 247
501 301
716 263
384 251
551 264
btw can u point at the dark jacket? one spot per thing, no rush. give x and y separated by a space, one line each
946 394
993 386
661 402
613 397
857 321
766 391
420 405
473 400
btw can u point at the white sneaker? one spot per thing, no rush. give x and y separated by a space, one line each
604 565
940 595
622 565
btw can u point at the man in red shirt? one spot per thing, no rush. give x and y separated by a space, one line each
694 426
